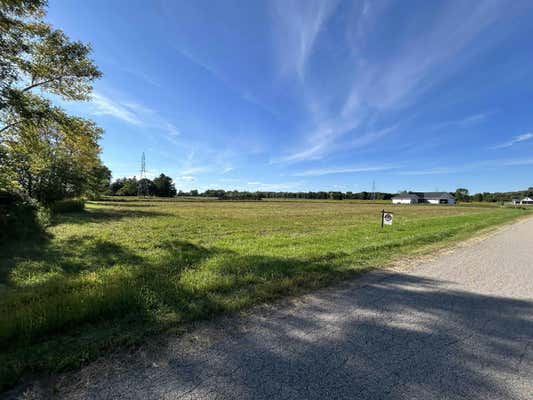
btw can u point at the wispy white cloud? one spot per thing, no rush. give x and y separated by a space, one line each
245 95
384 82
325 141
297 26
106 106
187 178
523 161
473 166
171 129
209 162
343 170
274 187
416 65
133 113
462 122
517 139
143 76
196 170
431 171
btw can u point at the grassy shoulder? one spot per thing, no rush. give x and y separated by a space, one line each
107 277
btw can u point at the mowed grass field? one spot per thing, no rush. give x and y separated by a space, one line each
108 277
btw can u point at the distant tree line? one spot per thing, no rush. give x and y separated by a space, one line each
463 195
258 195
162 186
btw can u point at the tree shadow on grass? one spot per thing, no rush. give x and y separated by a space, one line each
39 247
399 337
107 215
139 294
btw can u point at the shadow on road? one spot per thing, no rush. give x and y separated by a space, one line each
401 336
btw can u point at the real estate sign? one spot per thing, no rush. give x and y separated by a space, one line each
386 218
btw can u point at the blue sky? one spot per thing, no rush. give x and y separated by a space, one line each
312 95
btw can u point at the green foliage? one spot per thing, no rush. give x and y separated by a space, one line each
44 152
244 195
35 55
146 187
98 182
99 280
461 194
55 162
163 186
126 187
67 206
21 217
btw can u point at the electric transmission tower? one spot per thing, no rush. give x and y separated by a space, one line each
373 190
142 188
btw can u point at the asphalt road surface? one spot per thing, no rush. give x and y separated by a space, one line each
457 327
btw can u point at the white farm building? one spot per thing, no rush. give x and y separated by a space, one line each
423 198
524 201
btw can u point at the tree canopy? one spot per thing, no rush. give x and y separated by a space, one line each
162 186
44 152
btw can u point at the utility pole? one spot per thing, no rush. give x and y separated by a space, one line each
142 189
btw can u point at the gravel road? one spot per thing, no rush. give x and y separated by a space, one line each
456 327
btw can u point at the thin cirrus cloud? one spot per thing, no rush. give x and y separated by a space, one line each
324 143
479 166
132 113
274 187
431 171
517 139
215 73
105 106
462 122
382 83
343 170
296 30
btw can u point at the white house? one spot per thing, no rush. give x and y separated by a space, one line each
424 197
526 200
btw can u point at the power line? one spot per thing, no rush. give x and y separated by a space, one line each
142 187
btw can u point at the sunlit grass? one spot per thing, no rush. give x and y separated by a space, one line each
124 269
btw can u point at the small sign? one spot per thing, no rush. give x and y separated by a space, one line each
386 218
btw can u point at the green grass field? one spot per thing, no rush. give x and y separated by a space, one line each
126 269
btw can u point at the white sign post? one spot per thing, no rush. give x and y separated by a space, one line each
386 218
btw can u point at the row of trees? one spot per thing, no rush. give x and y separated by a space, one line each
462 194
245 195
161 186
45 153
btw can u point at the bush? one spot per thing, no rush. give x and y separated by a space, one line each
21 216
67 205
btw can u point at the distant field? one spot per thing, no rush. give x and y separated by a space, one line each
124 269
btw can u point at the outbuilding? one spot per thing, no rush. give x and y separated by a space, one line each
424 197
526 201
405 198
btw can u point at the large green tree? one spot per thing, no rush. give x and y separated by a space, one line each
43 150
164 187
462 194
